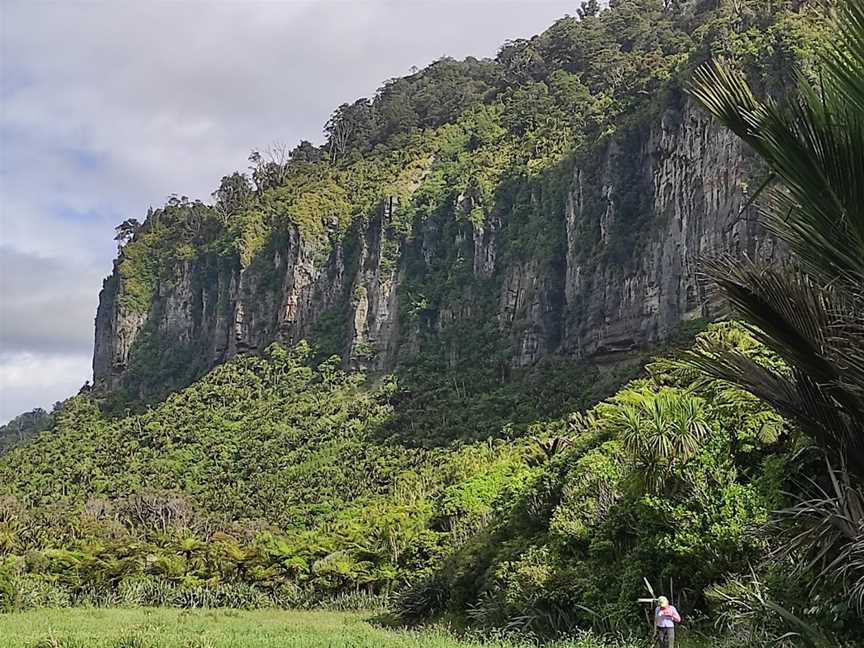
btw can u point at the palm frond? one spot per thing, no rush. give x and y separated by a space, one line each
844 58
814 147
826 528
810 327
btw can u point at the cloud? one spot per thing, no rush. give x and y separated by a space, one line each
107 108
47 377
48 304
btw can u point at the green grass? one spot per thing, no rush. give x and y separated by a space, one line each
172 628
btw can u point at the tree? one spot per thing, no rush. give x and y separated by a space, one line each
233 194
660 431
810 311
588 9
24 426
521 61
126 230
270 168
350 128
305 151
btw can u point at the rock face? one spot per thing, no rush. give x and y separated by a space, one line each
640 210
687 188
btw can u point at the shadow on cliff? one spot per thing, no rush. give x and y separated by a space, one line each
487 344
432 410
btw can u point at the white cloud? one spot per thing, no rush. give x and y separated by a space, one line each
47 377
48 303
108 108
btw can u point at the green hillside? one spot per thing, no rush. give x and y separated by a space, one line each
276 481
300 465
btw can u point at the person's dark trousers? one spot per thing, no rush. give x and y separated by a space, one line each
666 637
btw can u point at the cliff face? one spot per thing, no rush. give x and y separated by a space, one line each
679 201
636 214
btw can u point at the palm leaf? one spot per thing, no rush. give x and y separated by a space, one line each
815 150
810 310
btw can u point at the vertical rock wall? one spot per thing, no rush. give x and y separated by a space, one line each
692 181
640 212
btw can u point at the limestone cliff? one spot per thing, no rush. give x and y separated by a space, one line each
681 199
640 208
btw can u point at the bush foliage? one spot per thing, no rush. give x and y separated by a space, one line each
276 481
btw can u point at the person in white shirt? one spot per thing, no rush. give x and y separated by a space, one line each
665 618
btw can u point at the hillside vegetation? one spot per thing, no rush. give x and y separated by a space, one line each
269 471
273 481
24 426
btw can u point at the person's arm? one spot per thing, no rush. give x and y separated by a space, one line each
675 616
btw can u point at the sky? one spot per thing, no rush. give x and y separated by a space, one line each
107 108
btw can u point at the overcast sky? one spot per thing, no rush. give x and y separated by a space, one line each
109 107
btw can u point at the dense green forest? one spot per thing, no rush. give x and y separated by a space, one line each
273 479
278 481
723 469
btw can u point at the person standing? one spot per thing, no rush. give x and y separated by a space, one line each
665 618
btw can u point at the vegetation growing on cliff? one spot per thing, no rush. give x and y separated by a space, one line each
475 129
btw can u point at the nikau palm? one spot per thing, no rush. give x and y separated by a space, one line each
809 310
660 431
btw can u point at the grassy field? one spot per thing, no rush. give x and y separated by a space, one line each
170 628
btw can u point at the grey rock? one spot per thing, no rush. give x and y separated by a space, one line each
640 213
